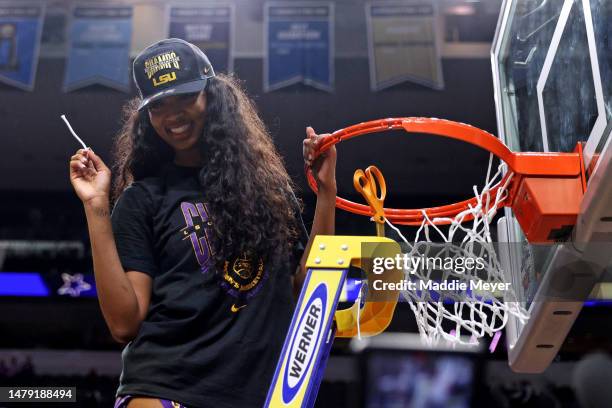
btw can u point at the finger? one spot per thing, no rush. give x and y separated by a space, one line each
80 157
77 168
320 138
76 165
86 152
97 161
316 141
91 173
310 132
90 165
79 160
308 148
308 155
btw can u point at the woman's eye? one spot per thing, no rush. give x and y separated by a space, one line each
189 97
155 107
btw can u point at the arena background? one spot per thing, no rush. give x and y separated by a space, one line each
57 340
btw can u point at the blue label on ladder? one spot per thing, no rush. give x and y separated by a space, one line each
297 372
304 343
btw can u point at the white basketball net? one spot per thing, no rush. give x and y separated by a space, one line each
461 316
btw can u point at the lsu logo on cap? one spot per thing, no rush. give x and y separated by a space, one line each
167 60
164 79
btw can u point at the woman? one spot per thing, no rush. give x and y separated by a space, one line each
195 267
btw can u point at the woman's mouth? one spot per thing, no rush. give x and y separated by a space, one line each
183 130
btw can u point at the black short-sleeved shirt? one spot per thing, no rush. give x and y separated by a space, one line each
209 339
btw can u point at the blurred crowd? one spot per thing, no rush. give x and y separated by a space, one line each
16 368
92 390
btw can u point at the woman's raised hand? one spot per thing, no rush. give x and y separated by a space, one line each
90 177
324 166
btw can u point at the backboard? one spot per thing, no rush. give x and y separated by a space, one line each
552 74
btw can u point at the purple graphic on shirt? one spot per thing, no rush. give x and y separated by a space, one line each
196 219
242 277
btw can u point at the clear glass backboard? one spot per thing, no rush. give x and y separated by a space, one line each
552 73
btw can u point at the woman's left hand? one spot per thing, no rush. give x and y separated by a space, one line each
324 167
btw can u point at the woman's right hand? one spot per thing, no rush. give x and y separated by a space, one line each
90 177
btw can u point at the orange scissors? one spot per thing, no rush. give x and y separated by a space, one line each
367 184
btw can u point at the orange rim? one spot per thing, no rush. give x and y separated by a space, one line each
519 164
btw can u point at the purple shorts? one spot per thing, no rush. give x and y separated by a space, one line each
121 402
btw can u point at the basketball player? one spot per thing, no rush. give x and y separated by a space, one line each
196 265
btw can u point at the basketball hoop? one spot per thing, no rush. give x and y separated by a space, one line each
538 211
527 182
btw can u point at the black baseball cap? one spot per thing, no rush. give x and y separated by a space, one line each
170 67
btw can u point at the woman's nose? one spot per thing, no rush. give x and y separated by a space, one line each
175 111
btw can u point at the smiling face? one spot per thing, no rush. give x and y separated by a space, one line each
179 121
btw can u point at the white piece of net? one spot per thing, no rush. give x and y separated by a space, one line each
461 316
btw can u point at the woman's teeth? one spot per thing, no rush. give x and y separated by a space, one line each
180 129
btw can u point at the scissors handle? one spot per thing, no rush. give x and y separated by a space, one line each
371 185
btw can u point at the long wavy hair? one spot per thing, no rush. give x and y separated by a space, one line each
248 192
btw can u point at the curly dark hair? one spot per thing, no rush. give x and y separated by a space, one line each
248 192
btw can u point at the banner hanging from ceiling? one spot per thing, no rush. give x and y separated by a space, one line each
21 25
99 49
210 27
299 44
402 44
